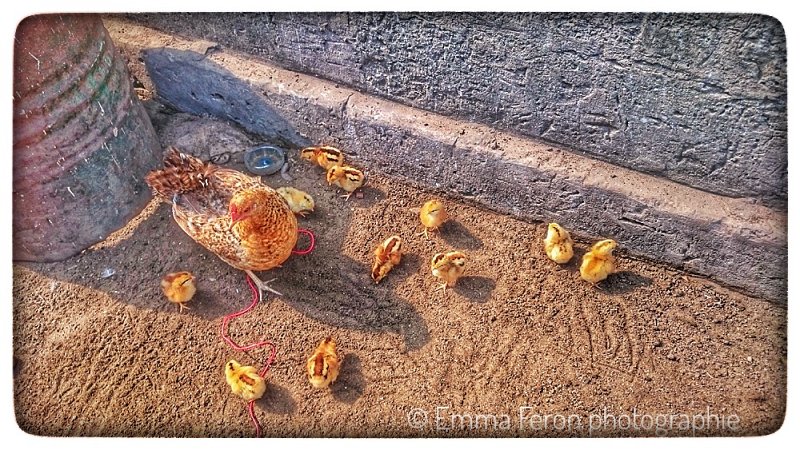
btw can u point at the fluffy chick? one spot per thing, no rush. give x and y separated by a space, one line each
558 244
179 288
323 365
432 215
301 203
598 263
324 156
448 267
346 177
245 381
387 255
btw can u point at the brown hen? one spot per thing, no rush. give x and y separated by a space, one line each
237 217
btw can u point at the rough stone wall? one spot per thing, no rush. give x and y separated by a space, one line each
741 244
698 99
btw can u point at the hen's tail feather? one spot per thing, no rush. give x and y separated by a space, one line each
182 173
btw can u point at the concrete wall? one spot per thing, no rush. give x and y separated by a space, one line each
735 241
698 99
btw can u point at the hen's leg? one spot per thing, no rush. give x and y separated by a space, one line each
262 286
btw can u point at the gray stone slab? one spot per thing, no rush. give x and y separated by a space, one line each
198 87
735 241
696 98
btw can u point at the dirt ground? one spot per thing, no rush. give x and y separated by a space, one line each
520 347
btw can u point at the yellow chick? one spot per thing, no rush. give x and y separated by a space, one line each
245 381
323 365
179 288
598 263
299 202
387 255
432 215
448 267
324 156
558 244
347 178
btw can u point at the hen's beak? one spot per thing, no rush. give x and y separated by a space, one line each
236 216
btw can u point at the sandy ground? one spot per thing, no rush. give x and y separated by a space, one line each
520 347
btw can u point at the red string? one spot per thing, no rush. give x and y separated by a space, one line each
273 350
310 247
253 417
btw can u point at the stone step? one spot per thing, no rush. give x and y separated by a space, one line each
733 241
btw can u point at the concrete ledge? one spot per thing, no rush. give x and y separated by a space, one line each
734 241
699 99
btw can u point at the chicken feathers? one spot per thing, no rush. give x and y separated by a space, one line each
448 267
558 244
245 381
324 156
323 365
432 215
598 263
179 288
346 177
301 203
387 255
237 217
